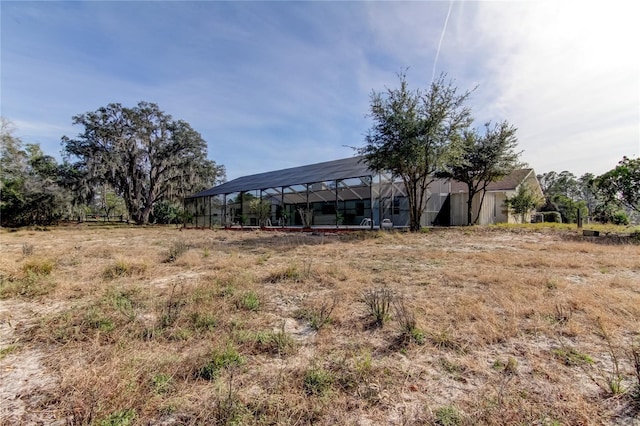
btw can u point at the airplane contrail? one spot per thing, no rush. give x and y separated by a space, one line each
444 29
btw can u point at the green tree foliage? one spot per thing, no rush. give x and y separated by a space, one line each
477 160
621 184
261 209
523 202
610 212
167 212
411 131
109 203
142 153
587 191
564 183
568 208
567 194
28 183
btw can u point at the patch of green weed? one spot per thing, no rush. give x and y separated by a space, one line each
448 416
277 343
119 418
317 381
8 350
220 360
162 383
249 301
203 322
571 357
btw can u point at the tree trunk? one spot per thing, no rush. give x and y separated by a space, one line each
484 193
470 207
145 215
414 209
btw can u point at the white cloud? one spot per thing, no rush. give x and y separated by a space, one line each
567 75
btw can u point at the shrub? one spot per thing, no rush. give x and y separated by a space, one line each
620 218
379 302
552 217
407 322
177 249
319 315
27 249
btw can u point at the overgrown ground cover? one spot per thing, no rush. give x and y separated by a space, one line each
496 326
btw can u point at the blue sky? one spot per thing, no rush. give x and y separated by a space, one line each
271 85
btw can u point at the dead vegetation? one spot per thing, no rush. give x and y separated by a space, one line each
130 326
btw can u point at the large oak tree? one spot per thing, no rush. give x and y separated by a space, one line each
143 153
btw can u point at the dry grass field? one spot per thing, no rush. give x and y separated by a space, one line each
161 326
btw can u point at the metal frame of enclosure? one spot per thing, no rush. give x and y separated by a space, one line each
335 194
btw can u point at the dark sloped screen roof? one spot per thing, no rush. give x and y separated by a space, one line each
320 172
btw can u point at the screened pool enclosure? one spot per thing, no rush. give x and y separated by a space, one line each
342 193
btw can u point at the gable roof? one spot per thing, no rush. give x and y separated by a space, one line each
345 168
508 183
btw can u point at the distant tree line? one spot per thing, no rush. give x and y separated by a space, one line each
613 197
136 163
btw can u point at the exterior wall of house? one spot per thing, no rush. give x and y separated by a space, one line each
489 208
488 214
458 209
502 213
493 208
